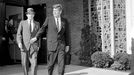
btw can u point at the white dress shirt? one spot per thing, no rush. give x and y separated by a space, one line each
32 24
59 20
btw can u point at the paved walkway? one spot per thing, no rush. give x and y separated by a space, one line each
70 70
96 71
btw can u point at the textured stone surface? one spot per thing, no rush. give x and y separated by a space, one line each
96 21
106 26
120 25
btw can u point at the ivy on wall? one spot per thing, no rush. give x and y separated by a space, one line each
89 45
90 36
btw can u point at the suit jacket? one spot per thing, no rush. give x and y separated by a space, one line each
24 35
53 36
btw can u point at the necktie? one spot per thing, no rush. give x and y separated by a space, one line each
58 24
30 27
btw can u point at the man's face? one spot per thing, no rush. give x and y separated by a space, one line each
30 16
56 12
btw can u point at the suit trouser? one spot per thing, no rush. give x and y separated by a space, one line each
53 56
132 57
25 58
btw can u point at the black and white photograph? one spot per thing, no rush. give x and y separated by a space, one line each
66 37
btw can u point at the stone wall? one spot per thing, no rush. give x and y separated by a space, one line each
120 25
106 26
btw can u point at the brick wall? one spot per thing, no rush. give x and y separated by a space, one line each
74 14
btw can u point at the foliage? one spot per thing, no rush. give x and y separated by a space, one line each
123 59
89 44
101 59
117 66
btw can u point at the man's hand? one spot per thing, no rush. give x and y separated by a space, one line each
33 40
20 46
67 49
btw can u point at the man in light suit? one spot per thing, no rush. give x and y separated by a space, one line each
27 30
57 39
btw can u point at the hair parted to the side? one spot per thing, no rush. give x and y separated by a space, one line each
57 6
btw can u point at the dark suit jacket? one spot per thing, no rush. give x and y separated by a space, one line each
24 35
53 36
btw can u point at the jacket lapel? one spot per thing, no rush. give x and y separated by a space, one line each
62 25
54 23
62 31
28 26
35 26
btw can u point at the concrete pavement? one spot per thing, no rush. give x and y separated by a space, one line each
70 70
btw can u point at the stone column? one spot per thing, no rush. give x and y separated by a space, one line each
112 28
107 26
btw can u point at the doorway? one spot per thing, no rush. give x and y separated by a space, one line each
14 14
17 13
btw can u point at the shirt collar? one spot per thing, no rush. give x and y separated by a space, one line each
57 18
29 20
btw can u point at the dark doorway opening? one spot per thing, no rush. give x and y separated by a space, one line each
40 16
13 16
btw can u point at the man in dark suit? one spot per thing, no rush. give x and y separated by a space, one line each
57 39
27 30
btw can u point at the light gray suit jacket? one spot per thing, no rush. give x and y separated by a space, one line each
24 35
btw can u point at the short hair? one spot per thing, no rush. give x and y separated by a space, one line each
57 6
30 11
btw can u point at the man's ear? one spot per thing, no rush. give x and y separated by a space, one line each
60 11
